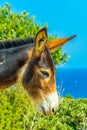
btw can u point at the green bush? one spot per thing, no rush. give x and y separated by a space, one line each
13 25
17 112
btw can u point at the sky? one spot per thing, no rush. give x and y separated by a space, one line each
64 18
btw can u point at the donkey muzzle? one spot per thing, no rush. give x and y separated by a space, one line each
49 104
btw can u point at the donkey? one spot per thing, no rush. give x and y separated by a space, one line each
29 61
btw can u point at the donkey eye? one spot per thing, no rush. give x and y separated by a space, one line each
45 74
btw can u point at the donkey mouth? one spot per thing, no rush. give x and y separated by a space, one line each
49 104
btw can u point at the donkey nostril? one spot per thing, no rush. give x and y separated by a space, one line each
53 110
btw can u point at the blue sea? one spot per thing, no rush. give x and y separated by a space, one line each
72 82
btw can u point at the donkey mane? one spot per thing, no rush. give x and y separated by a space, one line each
16 42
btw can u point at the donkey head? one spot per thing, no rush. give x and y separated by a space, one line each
39 77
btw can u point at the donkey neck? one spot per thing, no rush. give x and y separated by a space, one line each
6 53
13 64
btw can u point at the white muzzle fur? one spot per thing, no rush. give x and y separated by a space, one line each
49 104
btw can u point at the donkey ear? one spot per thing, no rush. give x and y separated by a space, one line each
41 39
55 44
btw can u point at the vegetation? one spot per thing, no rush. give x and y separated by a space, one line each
17 112
13 25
